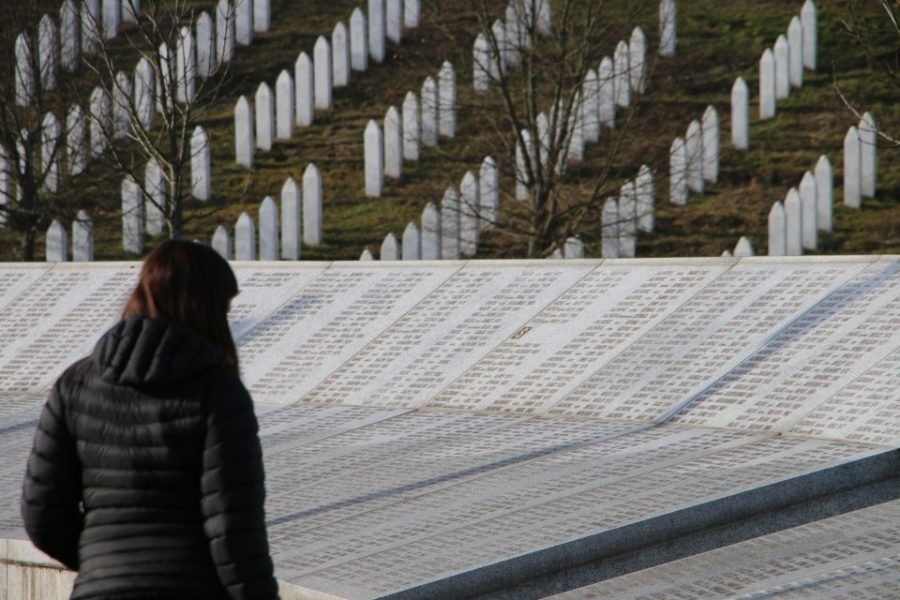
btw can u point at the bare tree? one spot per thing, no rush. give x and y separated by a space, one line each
537 69
869 31
31 133
154 110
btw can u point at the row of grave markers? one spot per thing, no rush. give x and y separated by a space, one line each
79 31
57 242
781 67
419 124
807 209
197 54
280 231
792 226
295 100
451 231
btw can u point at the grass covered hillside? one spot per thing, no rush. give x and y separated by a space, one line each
718 41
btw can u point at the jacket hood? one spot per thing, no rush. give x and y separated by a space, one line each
139 351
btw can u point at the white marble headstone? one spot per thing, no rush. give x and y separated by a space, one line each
394 20
312 206
132 217
429 112
69 36
782 67
112 16
76 132
304 90
121 106
359 41
201 174
693 146
622 78
268 229
322 72
609 247
740 115
366 255
48 51
265 117
498 57
186 66
25 77
668 38
100 120
57 242
340 56
377 31
155 200
393 144
575 150
144 92
245 238
205 40
678 187
221 242
824 193
809 19
544 141
643 187
243 22
590 107
284 106
637 51
431 232
607 93
412 243
767 95
374 159
573 248
390 248
291 220
447 100
743 247
809 211
481 64
489 188
225 31
412 12
627 220
450 209
795 52
524 164
82 238
852 169
469 226
165 90
243 133
91 26
710 127
262 16
777 231
51 151
793 223
868 154
411 127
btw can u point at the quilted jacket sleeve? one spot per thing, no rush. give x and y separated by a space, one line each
233 491
51 493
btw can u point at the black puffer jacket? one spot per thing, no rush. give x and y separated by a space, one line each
146 474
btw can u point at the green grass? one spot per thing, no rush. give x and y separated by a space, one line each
718 41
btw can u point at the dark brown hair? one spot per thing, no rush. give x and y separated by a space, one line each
190 283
